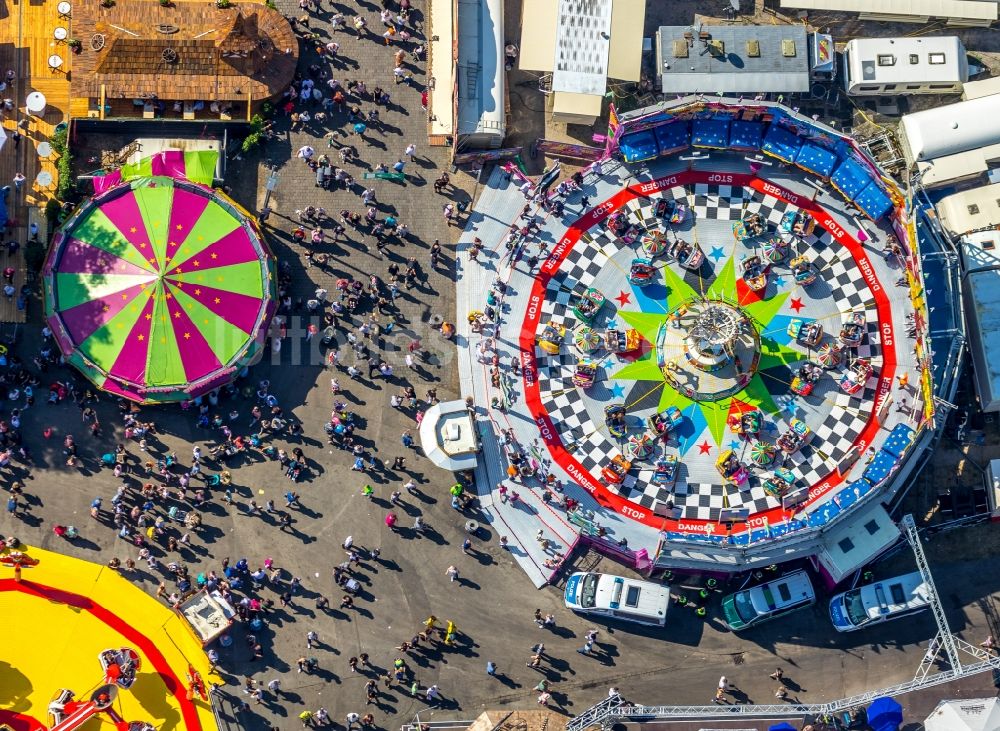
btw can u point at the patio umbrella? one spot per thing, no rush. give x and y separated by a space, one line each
762 453
774 250
159 290
585 339
828 357
885 714
654 243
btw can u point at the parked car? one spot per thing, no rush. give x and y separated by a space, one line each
770 600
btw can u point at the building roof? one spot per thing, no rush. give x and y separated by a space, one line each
741 59
448 436
980 87
982 296
950 129
189 51
480 69
966 9
970 210
949 169
852 543
624 58
929 59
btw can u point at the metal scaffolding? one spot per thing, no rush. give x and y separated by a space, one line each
615 709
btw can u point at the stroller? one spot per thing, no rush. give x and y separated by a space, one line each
324 173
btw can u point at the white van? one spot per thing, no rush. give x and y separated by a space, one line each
879 602
618 598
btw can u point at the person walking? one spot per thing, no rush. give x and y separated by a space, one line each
411 151
311 639
452 573
491 668
19 181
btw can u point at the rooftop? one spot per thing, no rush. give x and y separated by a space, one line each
188 51
746 59
929 59
970 210
981 10
448 436
950 129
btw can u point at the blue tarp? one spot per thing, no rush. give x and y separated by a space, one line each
745 135
873 201
850 179
881 466
816 159
638 146
884 714
781 143
4 192
782 727
898 440
672 137
710 133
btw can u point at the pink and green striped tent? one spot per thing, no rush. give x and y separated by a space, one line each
159 289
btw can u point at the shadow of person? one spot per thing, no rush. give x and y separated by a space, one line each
14 688
153 691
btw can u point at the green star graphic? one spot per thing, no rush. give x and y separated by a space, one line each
724 288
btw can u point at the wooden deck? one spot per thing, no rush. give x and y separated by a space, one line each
26 42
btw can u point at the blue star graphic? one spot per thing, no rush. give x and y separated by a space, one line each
612 323
618 390
717 253
779 281
734 444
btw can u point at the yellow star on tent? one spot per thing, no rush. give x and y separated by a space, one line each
197 291
105 308
177 315
149 316
133 230
124 296
195 262
214 255
179 227
218 301
187 336
141 338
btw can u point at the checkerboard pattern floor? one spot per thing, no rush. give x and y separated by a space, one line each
601 259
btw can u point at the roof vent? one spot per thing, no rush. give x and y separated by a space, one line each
753 49
788 48
680 49
717 48
169 55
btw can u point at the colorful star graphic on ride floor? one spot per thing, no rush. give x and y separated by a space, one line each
712 415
